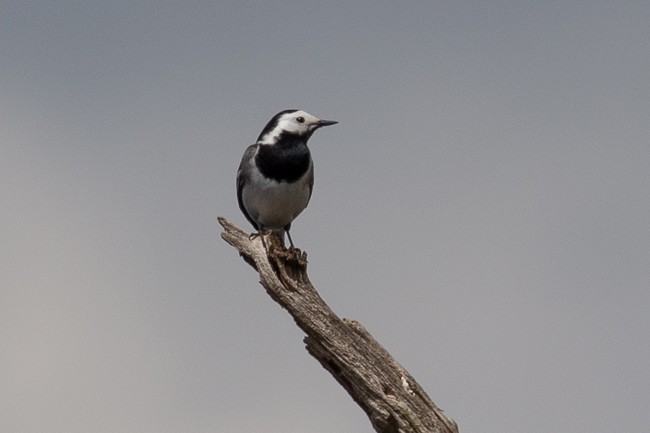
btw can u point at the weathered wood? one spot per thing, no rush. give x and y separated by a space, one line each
389 395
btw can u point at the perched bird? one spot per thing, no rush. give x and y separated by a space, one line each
276 174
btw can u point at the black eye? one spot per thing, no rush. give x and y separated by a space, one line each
300 119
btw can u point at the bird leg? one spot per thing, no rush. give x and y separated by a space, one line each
260 234
263 232
290 240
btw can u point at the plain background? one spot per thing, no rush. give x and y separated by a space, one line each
482 208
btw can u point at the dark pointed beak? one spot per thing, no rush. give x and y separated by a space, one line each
326 123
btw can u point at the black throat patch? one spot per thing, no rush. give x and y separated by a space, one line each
285 161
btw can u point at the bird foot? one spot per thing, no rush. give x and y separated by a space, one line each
274 244
260 234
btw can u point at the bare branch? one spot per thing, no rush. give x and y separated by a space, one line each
389 395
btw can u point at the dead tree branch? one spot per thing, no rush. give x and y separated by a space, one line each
389 395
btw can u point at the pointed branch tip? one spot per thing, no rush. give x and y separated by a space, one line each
224 222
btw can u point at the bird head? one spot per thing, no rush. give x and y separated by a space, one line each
291 122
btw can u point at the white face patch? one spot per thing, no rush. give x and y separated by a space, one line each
298 122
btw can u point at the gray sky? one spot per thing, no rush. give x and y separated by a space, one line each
482 208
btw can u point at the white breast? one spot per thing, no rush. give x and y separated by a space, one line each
274 204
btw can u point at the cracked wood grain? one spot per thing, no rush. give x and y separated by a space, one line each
389 395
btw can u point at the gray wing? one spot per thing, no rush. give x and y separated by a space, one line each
310 179
243 175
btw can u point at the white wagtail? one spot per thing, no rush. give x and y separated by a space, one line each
276 174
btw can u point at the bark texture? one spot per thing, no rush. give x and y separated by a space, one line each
392 399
